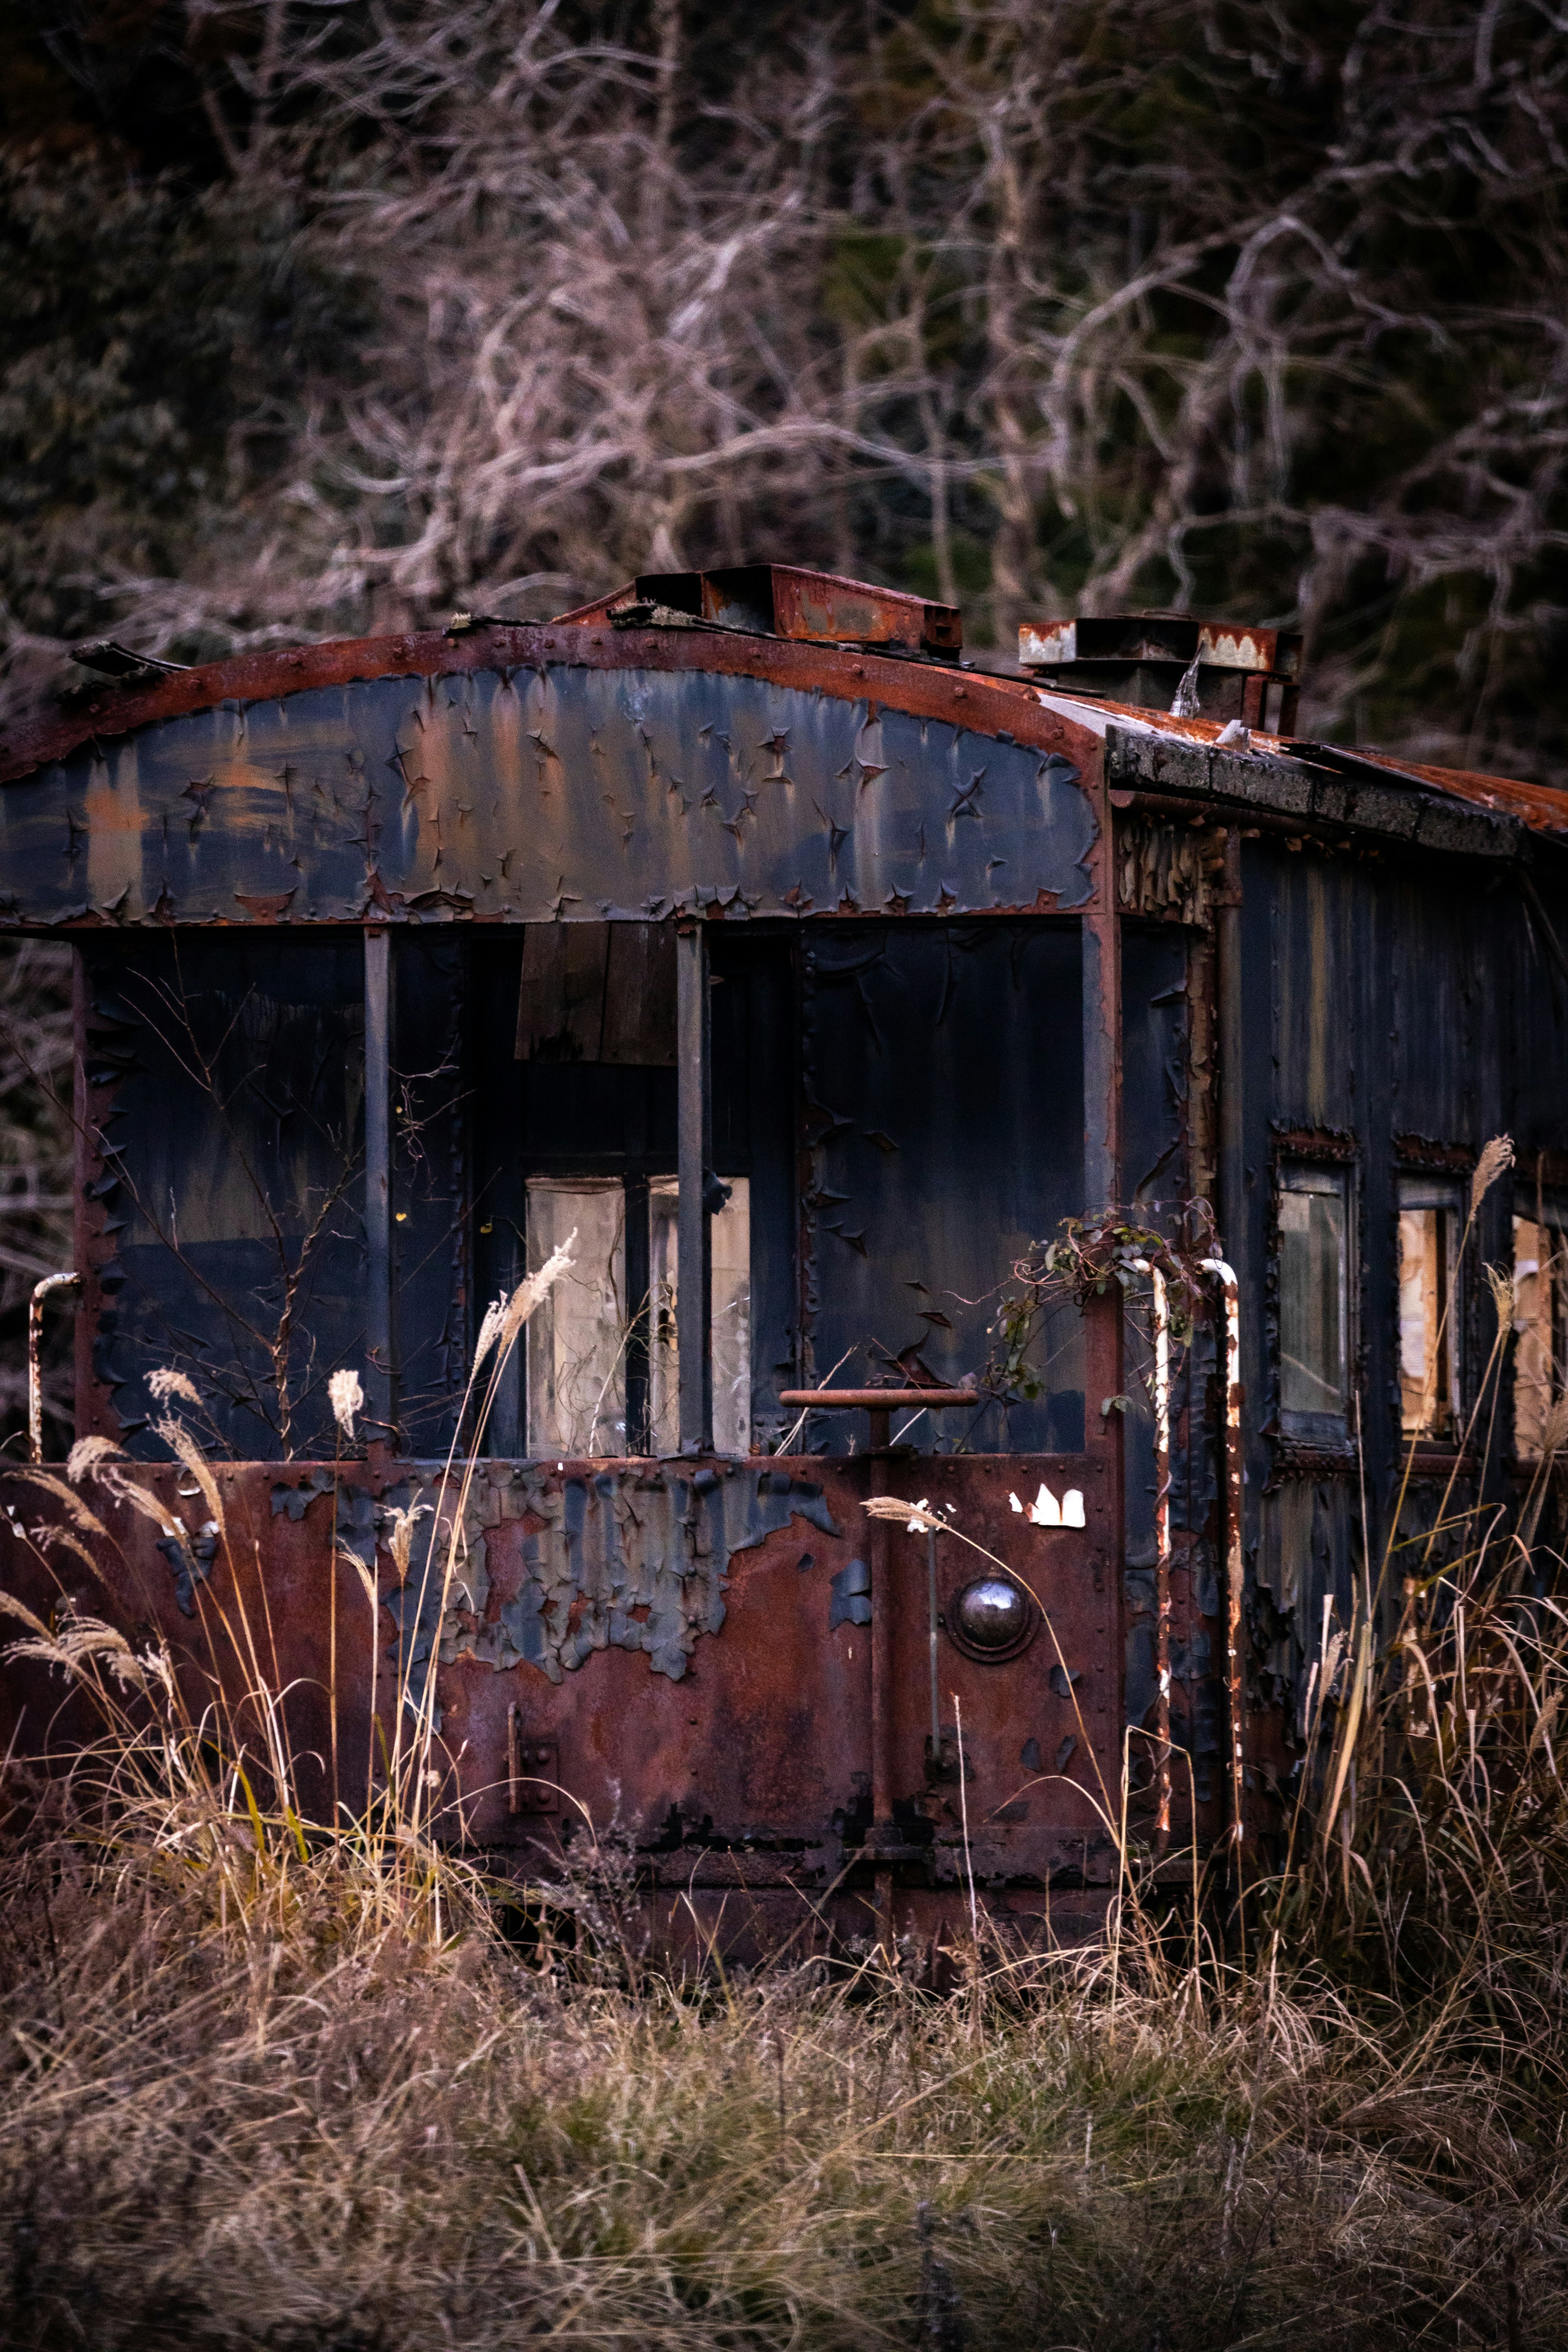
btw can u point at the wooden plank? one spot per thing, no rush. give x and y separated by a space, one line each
639 997
560 998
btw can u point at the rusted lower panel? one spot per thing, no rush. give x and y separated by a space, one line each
689 1646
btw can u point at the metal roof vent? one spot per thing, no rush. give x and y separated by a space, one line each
780 600
1167 661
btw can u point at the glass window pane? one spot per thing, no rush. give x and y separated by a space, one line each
576 1338
1540 1296
1313 1301
730 1318
1424 1396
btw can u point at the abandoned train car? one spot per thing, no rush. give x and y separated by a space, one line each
808 979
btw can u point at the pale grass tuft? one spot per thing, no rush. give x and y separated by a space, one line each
51 1483
1555 1429
180 1441
530 1291
399 1536
1497 1156
112 1475
489 1329
87 1457
50 1536
367 1581
504 1318
347 1399
913 1515
78 1644
11 1607
166 1382
1500 1282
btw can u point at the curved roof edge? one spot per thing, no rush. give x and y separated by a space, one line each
926 688
983 700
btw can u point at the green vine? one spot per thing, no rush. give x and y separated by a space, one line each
1087 1256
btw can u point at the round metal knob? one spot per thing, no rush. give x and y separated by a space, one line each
992 1617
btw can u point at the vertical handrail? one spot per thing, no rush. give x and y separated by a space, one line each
932 1643
379 1397
1233 1539
1162 1321
884 1696
41 1290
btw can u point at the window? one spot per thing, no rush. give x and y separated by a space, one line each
1430 1220
1540 1320
604 1365
1314 1302
729 1318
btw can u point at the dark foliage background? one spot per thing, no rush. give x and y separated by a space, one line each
323 315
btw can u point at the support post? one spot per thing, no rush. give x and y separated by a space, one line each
1162 1564
1235 1560
378 1383
694 1247
883 1696
1232 1133
1102 1049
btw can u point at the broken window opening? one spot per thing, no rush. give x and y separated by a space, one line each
1430 1217
1314 1302
603 1359
1541 1322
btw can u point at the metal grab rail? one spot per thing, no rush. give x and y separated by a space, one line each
1234 1569
41 1290
879 1399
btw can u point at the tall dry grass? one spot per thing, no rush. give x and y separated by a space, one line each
312 2085
218 2136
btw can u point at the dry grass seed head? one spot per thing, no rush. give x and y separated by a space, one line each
88 1521
87 1457
79 1642
346 1398
166 1382
400 1527
1497 1156
914 1516
50 1537
532 1290
11 1607
180 1441
125 1490
1500 1282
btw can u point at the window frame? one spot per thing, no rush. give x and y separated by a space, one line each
1415 1190
1546 1211
1314 1169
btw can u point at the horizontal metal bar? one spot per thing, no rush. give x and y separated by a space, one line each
880 1399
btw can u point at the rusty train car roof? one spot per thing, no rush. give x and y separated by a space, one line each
1183 754
925 688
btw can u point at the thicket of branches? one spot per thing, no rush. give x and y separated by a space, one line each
328 314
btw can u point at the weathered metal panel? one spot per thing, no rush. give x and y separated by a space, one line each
545 792
672 1638
944 1108
228 1085
1354 796
1396 1013
432 1191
